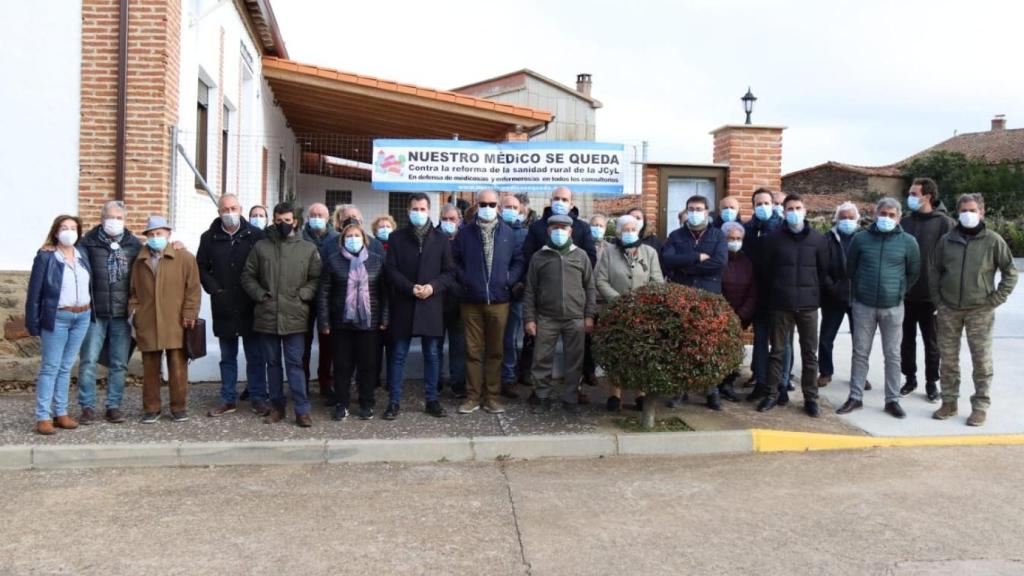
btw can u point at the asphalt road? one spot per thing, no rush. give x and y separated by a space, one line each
900 512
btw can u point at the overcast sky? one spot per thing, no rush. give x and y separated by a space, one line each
865 82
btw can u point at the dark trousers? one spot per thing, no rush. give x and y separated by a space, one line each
831 319
291 346
921 314
589 365
323 369
356 352
525 360
806 323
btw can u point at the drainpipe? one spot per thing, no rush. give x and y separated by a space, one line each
539 129
122 101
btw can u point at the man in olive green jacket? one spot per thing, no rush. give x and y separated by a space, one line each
964 291
281 276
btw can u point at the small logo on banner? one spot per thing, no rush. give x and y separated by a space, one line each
389 163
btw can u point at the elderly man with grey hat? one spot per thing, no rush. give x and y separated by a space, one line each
560 301
165 296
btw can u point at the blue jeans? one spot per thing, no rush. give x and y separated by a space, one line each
831 319
117 335
759 359
456 354
255 369
513 333
293 345
431 367
59 350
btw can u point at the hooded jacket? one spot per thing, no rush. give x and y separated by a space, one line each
559 286
794 268
964 270
281 276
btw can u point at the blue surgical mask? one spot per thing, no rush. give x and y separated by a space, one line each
487 213
231 219
559 207
696 218
779 210
258 222
885 224
914 203
728 214
795 218
448 228
317 223
509 215
559 236
157 243
418 218
383 233
735 245
354 244
597 232
763 212
630 238
847 226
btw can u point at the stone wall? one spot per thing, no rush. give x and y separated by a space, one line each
19 352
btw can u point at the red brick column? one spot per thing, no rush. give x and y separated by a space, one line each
754 156
649 199
153 61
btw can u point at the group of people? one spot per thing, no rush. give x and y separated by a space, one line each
503 285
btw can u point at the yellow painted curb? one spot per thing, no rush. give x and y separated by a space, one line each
780 441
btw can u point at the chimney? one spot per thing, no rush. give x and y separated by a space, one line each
583 84
999 122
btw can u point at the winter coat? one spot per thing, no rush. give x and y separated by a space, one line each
537 236
44 284
618 273
333 291
330 238
882 266
281 276
408 265
680 257
794 268
927 229
964 269
559 286
471 265
838 251
159 302
109 301
221 258
739 286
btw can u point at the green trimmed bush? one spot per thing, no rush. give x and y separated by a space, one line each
667 339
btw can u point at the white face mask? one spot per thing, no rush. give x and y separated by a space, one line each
67 237
113 226
230 219
970 219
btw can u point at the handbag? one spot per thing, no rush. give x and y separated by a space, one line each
195 340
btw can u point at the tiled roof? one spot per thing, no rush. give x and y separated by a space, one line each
993 146
825 204
891 170
410 89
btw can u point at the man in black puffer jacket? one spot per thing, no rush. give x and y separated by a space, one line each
111 249
794 260
927 223
223 250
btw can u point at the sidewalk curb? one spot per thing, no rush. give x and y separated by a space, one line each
461 449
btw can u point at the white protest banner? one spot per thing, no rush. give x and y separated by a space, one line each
460 165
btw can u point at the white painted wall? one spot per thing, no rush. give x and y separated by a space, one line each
40 99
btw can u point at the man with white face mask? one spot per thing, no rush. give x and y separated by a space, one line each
223 250
964 291
321 233
111 250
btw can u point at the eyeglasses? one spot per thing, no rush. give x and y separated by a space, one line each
488 204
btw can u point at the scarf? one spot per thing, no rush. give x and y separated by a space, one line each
117 262
421 233
487 230
357 294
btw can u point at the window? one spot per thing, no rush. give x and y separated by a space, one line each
225 138
398 207
282 170
202 123
332 198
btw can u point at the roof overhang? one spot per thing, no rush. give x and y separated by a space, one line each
319 100
265 27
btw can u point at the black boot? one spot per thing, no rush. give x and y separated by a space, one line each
760 391
714 403
725 390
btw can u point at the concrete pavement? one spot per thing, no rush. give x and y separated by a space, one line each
897 512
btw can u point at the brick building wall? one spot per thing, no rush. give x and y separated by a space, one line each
827 181
754 156
153 52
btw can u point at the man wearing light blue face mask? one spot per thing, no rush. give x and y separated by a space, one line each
763 223
318 231
728 211
561 205
883 263
454 332
835 304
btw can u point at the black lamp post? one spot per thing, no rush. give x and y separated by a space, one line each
748 103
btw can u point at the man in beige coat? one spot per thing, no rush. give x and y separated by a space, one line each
165 298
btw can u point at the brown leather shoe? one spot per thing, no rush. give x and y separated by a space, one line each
304 420
65 422
274 417
45 427
824 381
87 417
977 418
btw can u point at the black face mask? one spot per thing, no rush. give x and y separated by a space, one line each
284 229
